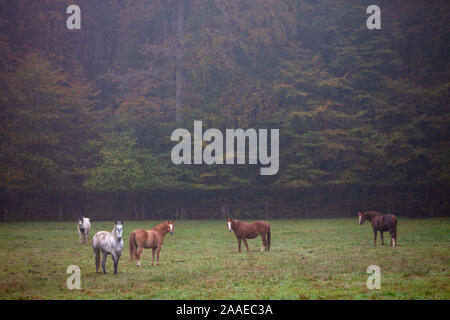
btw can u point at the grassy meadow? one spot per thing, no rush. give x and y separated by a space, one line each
309 259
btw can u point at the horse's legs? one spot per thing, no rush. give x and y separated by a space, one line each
138 255
394 231
382 240
115 262
97 259
264 242
157 254
80 237
104 262
245 242
153 255
374 237
239 244
86 239
393 238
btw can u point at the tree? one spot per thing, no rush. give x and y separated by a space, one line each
46 118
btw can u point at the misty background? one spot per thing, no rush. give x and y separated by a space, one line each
86 115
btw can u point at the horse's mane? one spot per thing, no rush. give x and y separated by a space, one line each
114 228
240 221
236 221
159 226
370 214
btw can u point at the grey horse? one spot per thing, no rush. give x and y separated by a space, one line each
108 243
83 227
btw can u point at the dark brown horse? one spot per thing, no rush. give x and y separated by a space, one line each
380 222
140 239
244 231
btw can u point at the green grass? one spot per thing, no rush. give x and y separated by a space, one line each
309 259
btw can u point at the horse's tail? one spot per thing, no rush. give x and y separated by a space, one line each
268 239
395 229
132 245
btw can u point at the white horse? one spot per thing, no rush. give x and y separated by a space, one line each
83 227
108 243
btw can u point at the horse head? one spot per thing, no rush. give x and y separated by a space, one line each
170 226
361 217
118 228
229 220
80 223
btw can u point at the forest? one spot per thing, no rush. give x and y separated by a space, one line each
86 115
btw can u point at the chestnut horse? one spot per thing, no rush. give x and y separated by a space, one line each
380 222
140 239
244 231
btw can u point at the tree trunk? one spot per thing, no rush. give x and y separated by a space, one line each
135 211
348 208
60 214
102 209
431 201
13 198
223 211
306 209
179 81
366 197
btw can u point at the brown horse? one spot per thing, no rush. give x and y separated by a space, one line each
140 239
380 222
244 231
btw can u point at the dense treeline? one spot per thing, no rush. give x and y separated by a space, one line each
86 115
